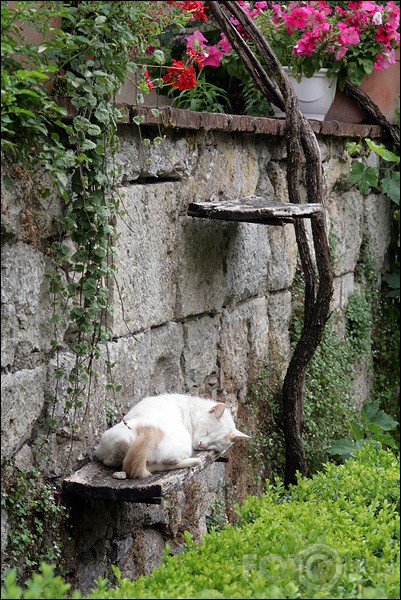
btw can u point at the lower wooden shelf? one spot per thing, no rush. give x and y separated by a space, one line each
95 481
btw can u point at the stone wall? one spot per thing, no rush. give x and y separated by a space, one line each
196 305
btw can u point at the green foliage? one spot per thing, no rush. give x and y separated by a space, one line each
359 324
43 584
373 425
329 411
36 518
386 178
205 97
335 535
29 116
363 176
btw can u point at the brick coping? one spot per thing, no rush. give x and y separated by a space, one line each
186 119
178 118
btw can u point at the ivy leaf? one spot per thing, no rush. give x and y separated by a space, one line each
382 151
138 119
393 281
391 185
159 56
363 177
88 145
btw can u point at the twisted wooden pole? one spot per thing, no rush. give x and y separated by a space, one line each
301 143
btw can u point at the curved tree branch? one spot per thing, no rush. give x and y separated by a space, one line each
373 110
301 142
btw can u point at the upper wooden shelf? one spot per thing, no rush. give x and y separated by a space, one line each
253 209
95 481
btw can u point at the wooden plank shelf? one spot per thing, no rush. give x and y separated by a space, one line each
95 481
253 209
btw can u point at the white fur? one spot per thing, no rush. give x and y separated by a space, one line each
187 423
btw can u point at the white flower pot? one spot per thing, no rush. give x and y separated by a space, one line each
315 94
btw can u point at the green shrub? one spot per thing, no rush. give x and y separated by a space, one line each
335 535
36 520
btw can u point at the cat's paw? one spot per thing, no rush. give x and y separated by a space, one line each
194 462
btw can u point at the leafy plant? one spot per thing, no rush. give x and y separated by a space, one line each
205 97
347 42
331 536
36 519
386 179
373 426
43 584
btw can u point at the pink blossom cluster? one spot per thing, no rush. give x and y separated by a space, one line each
351 39
318 28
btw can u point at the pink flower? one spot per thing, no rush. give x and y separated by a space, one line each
197 40
213 57
348 35
384 61
224 44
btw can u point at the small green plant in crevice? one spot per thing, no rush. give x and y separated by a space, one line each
266 447
358 324
217 519
329 410
385 178
372 425
36 519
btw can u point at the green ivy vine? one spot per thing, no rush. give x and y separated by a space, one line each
85 55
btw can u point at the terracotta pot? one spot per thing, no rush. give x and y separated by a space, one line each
383 87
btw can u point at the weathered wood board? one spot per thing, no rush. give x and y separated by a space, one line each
253 209
95 481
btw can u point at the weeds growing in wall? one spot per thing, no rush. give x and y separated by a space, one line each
35 519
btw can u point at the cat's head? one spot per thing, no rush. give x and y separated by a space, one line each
215 429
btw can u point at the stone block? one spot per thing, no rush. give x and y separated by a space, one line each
199 359
243 344
201 279
346 220
22 400
167 344
26 312
279 316
377 224
248 254
282 260
225 170
143 290
173 158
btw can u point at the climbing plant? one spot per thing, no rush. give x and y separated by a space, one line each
88 50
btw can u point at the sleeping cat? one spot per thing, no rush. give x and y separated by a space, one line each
161 432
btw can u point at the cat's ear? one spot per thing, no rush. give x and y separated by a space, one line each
218 410
236 435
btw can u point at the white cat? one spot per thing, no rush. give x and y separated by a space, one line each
161 432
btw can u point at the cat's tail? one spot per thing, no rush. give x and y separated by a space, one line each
134 464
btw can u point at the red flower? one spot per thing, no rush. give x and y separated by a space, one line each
89 56
196 8
180 76
148 81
